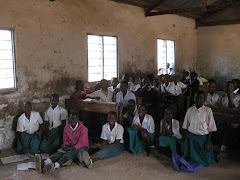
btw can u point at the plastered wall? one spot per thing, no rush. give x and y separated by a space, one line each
219 53
51 47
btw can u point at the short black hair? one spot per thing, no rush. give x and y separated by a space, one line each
133 78
54 96
27 102
114 78
143 105
212 81
124 82
112 113
199 92
74 114
131 101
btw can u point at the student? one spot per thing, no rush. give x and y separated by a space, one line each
104 94
142 131
55 121
167 86
230 99
236 83
213 98
139 85
114 83
75 144
129 115
131 84
124 95
81 91
200 123
29 127
126 77
193 83
169 130
112 136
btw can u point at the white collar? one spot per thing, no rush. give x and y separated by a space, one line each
236 90
73 129
108 126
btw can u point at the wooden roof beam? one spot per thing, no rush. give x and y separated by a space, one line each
139 3
155 5
217 23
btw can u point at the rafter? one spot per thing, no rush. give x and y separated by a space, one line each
139 3
155 5
217 23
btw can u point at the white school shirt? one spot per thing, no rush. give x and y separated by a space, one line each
131 86
213 100
199 121
236 90
175 128
170 88
101 95
178 88
55 116
138 86
120 99
29 126
134 113
115 134
111 88
148 122
235 100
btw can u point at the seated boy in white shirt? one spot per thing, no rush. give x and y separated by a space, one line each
200 123
142 131
55 121
169 130
29 127
112 136
104 94
213 98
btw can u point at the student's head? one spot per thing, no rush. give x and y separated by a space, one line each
230 86
176 78
142 110
114 82
124 87
168 65
54 100
125 77
79 85
168 113
132 79
193 75
196 75
112 118
199 98
156 82
27 106
140 79
146 81
187 73
236 83
104 84
73 119
166 79
211 86
131 105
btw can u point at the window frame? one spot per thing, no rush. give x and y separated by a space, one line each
15 88
117 63
166 51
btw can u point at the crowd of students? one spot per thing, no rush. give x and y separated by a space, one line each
162 120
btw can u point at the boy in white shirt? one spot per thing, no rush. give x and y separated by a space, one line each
142 131
230 99
169 130
112 136
200 123
213 98
104 94
55 121
29 127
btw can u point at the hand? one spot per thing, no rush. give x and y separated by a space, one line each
102 146
25 150
65 147
207 147
135 127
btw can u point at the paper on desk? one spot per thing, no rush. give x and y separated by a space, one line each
7 160
21 157
88 100
26 166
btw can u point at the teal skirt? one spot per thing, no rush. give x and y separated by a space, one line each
112 151
194 149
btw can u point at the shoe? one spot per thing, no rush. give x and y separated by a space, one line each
80 158
38 162
86 159
48 168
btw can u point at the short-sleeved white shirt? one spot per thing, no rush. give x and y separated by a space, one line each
129 95
199 121
170 88
101 95
29 126
235 100
178 88
55 116
148 122
115 134
175 128
213 100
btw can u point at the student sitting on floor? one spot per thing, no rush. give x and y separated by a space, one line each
112 136
142 131
81 91
213 98
103 94
169 130
124 95
75 144
55 121
114 83
230 99
200 123
29 127
129 115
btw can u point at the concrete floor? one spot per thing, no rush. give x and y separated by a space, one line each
128 166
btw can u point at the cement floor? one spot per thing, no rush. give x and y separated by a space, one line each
128 166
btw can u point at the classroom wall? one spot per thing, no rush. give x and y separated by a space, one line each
218 52
51 47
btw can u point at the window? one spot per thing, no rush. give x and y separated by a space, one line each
166 56
7 60
102 57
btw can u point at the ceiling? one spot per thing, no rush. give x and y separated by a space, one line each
205 12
